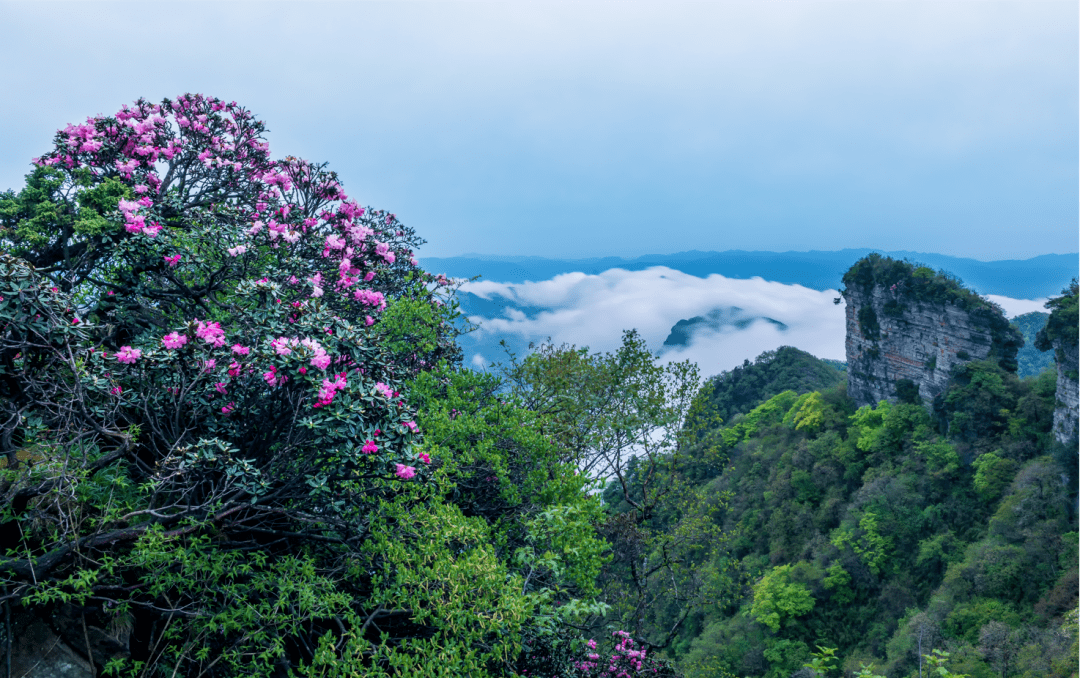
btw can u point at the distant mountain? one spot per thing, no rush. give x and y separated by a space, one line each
1034 278
714 321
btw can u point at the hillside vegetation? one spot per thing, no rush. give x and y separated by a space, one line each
886 531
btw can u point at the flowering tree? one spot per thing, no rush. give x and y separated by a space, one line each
206 434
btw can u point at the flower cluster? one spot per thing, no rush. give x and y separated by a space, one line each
626 660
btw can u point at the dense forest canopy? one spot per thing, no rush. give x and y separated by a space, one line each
236 439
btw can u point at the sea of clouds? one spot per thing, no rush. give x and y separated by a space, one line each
593 311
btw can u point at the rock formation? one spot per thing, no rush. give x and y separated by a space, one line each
1060 335
907 327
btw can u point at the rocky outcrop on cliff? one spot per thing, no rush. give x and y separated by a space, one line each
908 327
1061 335
1067 410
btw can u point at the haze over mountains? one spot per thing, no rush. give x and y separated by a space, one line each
1034 278
715 308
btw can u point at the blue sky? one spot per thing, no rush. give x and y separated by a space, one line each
589 129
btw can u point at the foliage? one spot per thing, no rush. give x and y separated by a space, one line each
748 385
888 532
1061 330
217 371
1030 360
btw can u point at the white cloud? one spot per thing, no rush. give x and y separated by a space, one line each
593 310
1015 307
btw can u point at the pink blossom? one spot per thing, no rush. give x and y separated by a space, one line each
75 320
424 457
368 321
220 387
173 260
174 340
384 390
236 251
405 472
209 365
369 276
141 188
370 298
281 346
273 378
240 350
128 355
211 333
234 369
411 425
228 408
116 390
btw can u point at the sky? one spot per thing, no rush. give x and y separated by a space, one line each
617 128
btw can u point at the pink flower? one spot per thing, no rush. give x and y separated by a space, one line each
236 251
228 408
405 472
116 390
368 321
209 365
281 346
211 333
411 425
369 276
141 188
240 350
173 260
220 387
174 340
370 298
128 355
424 457
384 390
75 320
234 369
370 447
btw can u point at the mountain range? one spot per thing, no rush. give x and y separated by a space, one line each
1034 278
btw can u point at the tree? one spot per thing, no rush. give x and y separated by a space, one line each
207 426
622 417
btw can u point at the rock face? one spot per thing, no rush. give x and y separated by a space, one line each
1068 393
907 328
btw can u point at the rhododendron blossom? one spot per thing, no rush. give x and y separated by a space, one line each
369 447
174 340
128 355
211 333
405 472
384 390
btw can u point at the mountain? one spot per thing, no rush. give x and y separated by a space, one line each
1033 278
717 320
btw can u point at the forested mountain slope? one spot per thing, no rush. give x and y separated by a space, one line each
884 531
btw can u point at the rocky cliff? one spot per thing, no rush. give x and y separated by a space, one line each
1068 395
907 327
1061 335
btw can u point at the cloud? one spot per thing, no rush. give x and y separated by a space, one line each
593 310
1015 307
